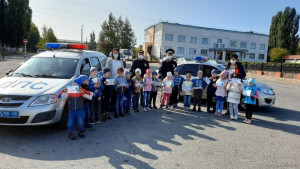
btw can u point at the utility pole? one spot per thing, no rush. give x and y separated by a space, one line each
81 33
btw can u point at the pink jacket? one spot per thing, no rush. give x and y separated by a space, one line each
147 84
221 91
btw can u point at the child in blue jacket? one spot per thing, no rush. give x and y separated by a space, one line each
128 93
121 85
250 101
198 86
95 86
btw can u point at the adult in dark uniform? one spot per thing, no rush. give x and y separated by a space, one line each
168 65
141 63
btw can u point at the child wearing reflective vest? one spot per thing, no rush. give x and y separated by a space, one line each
251 94
76 107
95 86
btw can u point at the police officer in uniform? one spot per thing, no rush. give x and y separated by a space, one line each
168 65
141 63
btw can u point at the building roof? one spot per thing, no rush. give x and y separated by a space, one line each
292 57
200 27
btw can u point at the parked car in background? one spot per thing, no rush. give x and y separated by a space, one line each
41 50
126 53
267 96
31 94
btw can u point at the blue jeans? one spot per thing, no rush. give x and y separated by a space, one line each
187 100
87 110
127 103
146 98
119 103
219 106
77 115
135 101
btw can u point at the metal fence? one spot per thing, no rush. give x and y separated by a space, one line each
274 67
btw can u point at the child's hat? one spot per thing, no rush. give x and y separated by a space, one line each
176 69
127 73
224 72
105 70
252 80
169 74
93 69
138 70
148 71
154 73
214 71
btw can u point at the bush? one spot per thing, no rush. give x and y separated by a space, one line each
277 54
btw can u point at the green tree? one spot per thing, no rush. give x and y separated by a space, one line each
33 38
18 20
47 36
298 49
283 30
92 45
116 33
277 54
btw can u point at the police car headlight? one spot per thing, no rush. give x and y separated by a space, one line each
44 100
266 90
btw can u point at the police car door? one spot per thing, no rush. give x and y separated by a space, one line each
85 67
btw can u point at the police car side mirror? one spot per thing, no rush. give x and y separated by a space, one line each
8 72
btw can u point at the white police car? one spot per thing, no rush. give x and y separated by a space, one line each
31 94
267 96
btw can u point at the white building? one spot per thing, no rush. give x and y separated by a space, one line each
191 41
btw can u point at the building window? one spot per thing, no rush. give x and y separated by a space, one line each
261 56
204 41
253 46
222 45
243 45
233 43
262 47
180 50
252 56
181 38
193 51
168 47
204 52
169 37
193 39
219 40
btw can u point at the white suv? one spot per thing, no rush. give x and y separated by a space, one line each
31 94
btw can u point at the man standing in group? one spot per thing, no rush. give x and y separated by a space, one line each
168 65
141 63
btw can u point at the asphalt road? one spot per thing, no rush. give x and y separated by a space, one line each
166 139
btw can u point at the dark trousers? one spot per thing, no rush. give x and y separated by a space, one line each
210 102
174 96
153 98
127 102
197 97
87 112
95 109
105 102
249 110
142 97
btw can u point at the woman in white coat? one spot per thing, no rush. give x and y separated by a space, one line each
114 62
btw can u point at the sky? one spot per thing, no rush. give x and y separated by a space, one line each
66 17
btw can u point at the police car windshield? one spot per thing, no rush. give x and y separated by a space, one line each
43 67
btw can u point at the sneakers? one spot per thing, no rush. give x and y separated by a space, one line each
167 107
81 134
148 108
231 117
154 107
72 136
199 109
219 114
248 121
98 121
161 106
121 114
236 117
145 109
245 121
216 113
175 106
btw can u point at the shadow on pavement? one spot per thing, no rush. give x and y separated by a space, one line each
123 141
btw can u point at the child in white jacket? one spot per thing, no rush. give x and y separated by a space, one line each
235 88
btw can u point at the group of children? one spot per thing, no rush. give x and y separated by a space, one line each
85 108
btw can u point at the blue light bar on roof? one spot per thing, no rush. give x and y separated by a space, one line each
53 45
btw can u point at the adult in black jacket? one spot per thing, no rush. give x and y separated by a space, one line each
235 67
168 65
141 63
